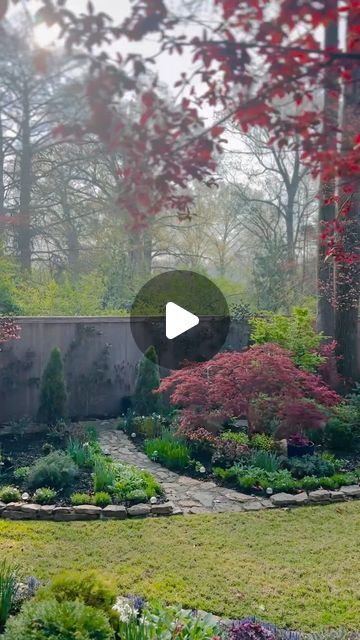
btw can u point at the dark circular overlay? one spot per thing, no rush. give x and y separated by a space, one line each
193 292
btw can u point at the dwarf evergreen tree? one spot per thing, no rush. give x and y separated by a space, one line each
145 401
53 392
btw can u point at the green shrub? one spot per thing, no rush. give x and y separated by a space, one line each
145 401
56 470
52 392
346 479
225 474
8 590
137 496
61 620
44 495
21 473
262 441
265 460
329 483
309 483
239 438
9 494
81 453
310 466
340 435
169 451
295 332
104 476
130 478
102 499
81 498
88 587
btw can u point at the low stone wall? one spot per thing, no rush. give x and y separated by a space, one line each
29 511
100 360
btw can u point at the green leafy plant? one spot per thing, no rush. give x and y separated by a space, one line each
102 499
56 470
137 496
22 473
88 587
309 483
60 620
44 495
262 441
9 494
104 476
53 392
8 590
77 499
265 460
82 453
145 401
130 478
160 622
239 437
169 451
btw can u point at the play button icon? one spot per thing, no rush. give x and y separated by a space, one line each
178 320
183 315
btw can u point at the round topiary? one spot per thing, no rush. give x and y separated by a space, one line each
50 619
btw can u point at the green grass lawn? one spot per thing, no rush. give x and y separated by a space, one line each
298 568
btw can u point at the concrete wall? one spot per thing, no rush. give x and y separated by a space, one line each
100 359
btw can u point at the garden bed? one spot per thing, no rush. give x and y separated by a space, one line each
58 472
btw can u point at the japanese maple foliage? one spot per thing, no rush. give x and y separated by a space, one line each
230 384
249 58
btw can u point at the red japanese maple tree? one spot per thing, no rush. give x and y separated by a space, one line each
235 384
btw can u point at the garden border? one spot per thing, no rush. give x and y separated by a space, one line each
32 511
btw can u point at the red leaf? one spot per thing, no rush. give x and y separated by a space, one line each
148 99
217 131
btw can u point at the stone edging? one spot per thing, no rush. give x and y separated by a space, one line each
31 511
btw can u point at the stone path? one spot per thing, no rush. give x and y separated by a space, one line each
187 494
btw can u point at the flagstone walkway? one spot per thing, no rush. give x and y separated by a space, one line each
188 495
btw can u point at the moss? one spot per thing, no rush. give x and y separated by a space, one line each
296 568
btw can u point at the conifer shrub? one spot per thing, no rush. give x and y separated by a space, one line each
145 401
53 396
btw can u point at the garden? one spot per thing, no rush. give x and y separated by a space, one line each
263 421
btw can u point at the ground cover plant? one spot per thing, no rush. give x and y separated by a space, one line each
66 466
275 565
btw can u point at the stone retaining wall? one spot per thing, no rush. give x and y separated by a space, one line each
30 511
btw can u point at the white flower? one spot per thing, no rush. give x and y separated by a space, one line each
153 500
202 470
124 609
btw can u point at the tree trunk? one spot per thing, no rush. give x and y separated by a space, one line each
327 210
348 273
24 234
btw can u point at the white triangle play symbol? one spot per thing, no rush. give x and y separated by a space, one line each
178 320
